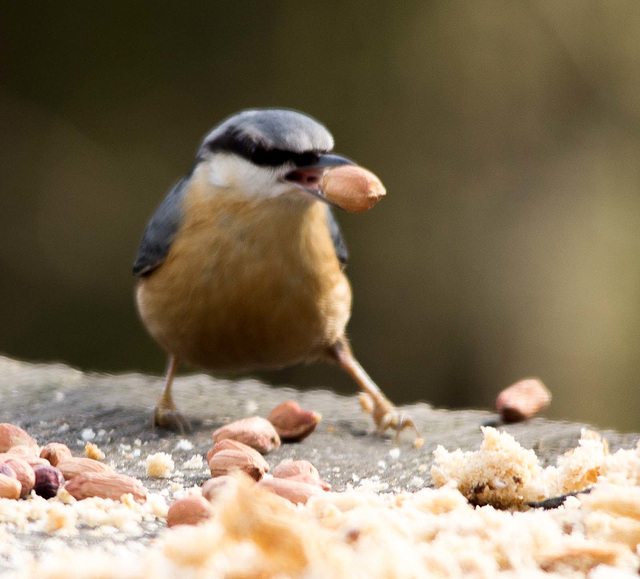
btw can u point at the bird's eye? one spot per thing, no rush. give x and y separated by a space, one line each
271 157
306 159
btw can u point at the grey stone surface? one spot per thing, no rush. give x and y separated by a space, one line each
56 403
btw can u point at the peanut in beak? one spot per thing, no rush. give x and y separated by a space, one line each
353 188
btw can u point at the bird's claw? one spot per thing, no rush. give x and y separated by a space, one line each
386 417
170 419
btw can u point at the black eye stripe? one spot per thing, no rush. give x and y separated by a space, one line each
276 157
273 157
259 155
306 159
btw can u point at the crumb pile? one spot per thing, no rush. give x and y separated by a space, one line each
505 475
358 533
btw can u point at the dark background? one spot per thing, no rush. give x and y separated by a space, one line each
507 134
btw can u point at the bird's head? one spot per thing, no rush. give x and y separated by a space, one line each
266 153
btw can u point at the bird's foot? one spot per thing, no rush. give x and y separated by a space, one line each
170 419
387 417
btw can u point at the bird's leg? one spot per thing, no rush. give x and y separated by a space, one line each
385 416
165 414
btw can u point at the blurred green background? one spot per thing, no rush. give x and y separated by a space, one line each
507 134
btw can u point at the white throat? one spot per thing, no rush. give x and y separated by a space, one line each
230 171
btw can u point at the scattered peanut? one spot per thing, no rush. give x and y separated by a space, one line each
12 435
226 444
292 490
291 422
255 432
522 400
302 471
311 480
246 460
74 466
55 452
212 488
7 470
189 511
48 480
33 462
107 485
288 468
23 470
24 451
9 487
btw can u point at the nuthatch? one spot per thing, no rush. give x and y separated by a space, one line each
241 266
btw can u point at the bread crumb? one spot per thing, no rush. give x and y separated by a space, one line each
88 434
359 532
428 533
506 475
159 465
157 505
92 450
500 473
61 519
183 444
373 484
194 463
580 467
250 407
64 497
416 481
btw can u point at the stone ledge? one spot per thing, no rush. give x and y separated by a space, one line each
56 402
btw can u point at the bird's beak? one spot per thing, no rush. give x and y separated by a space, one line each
309 177
331 160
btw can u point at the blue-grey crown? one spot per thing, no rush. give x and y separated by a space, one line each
269 137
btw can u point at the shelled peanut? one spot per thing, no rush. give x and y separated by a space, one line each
24 467
230 455
523 400
256 432
189 511
291 422
353 188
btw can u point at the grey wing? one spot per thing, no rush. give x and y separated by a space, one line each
336 236
160 231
